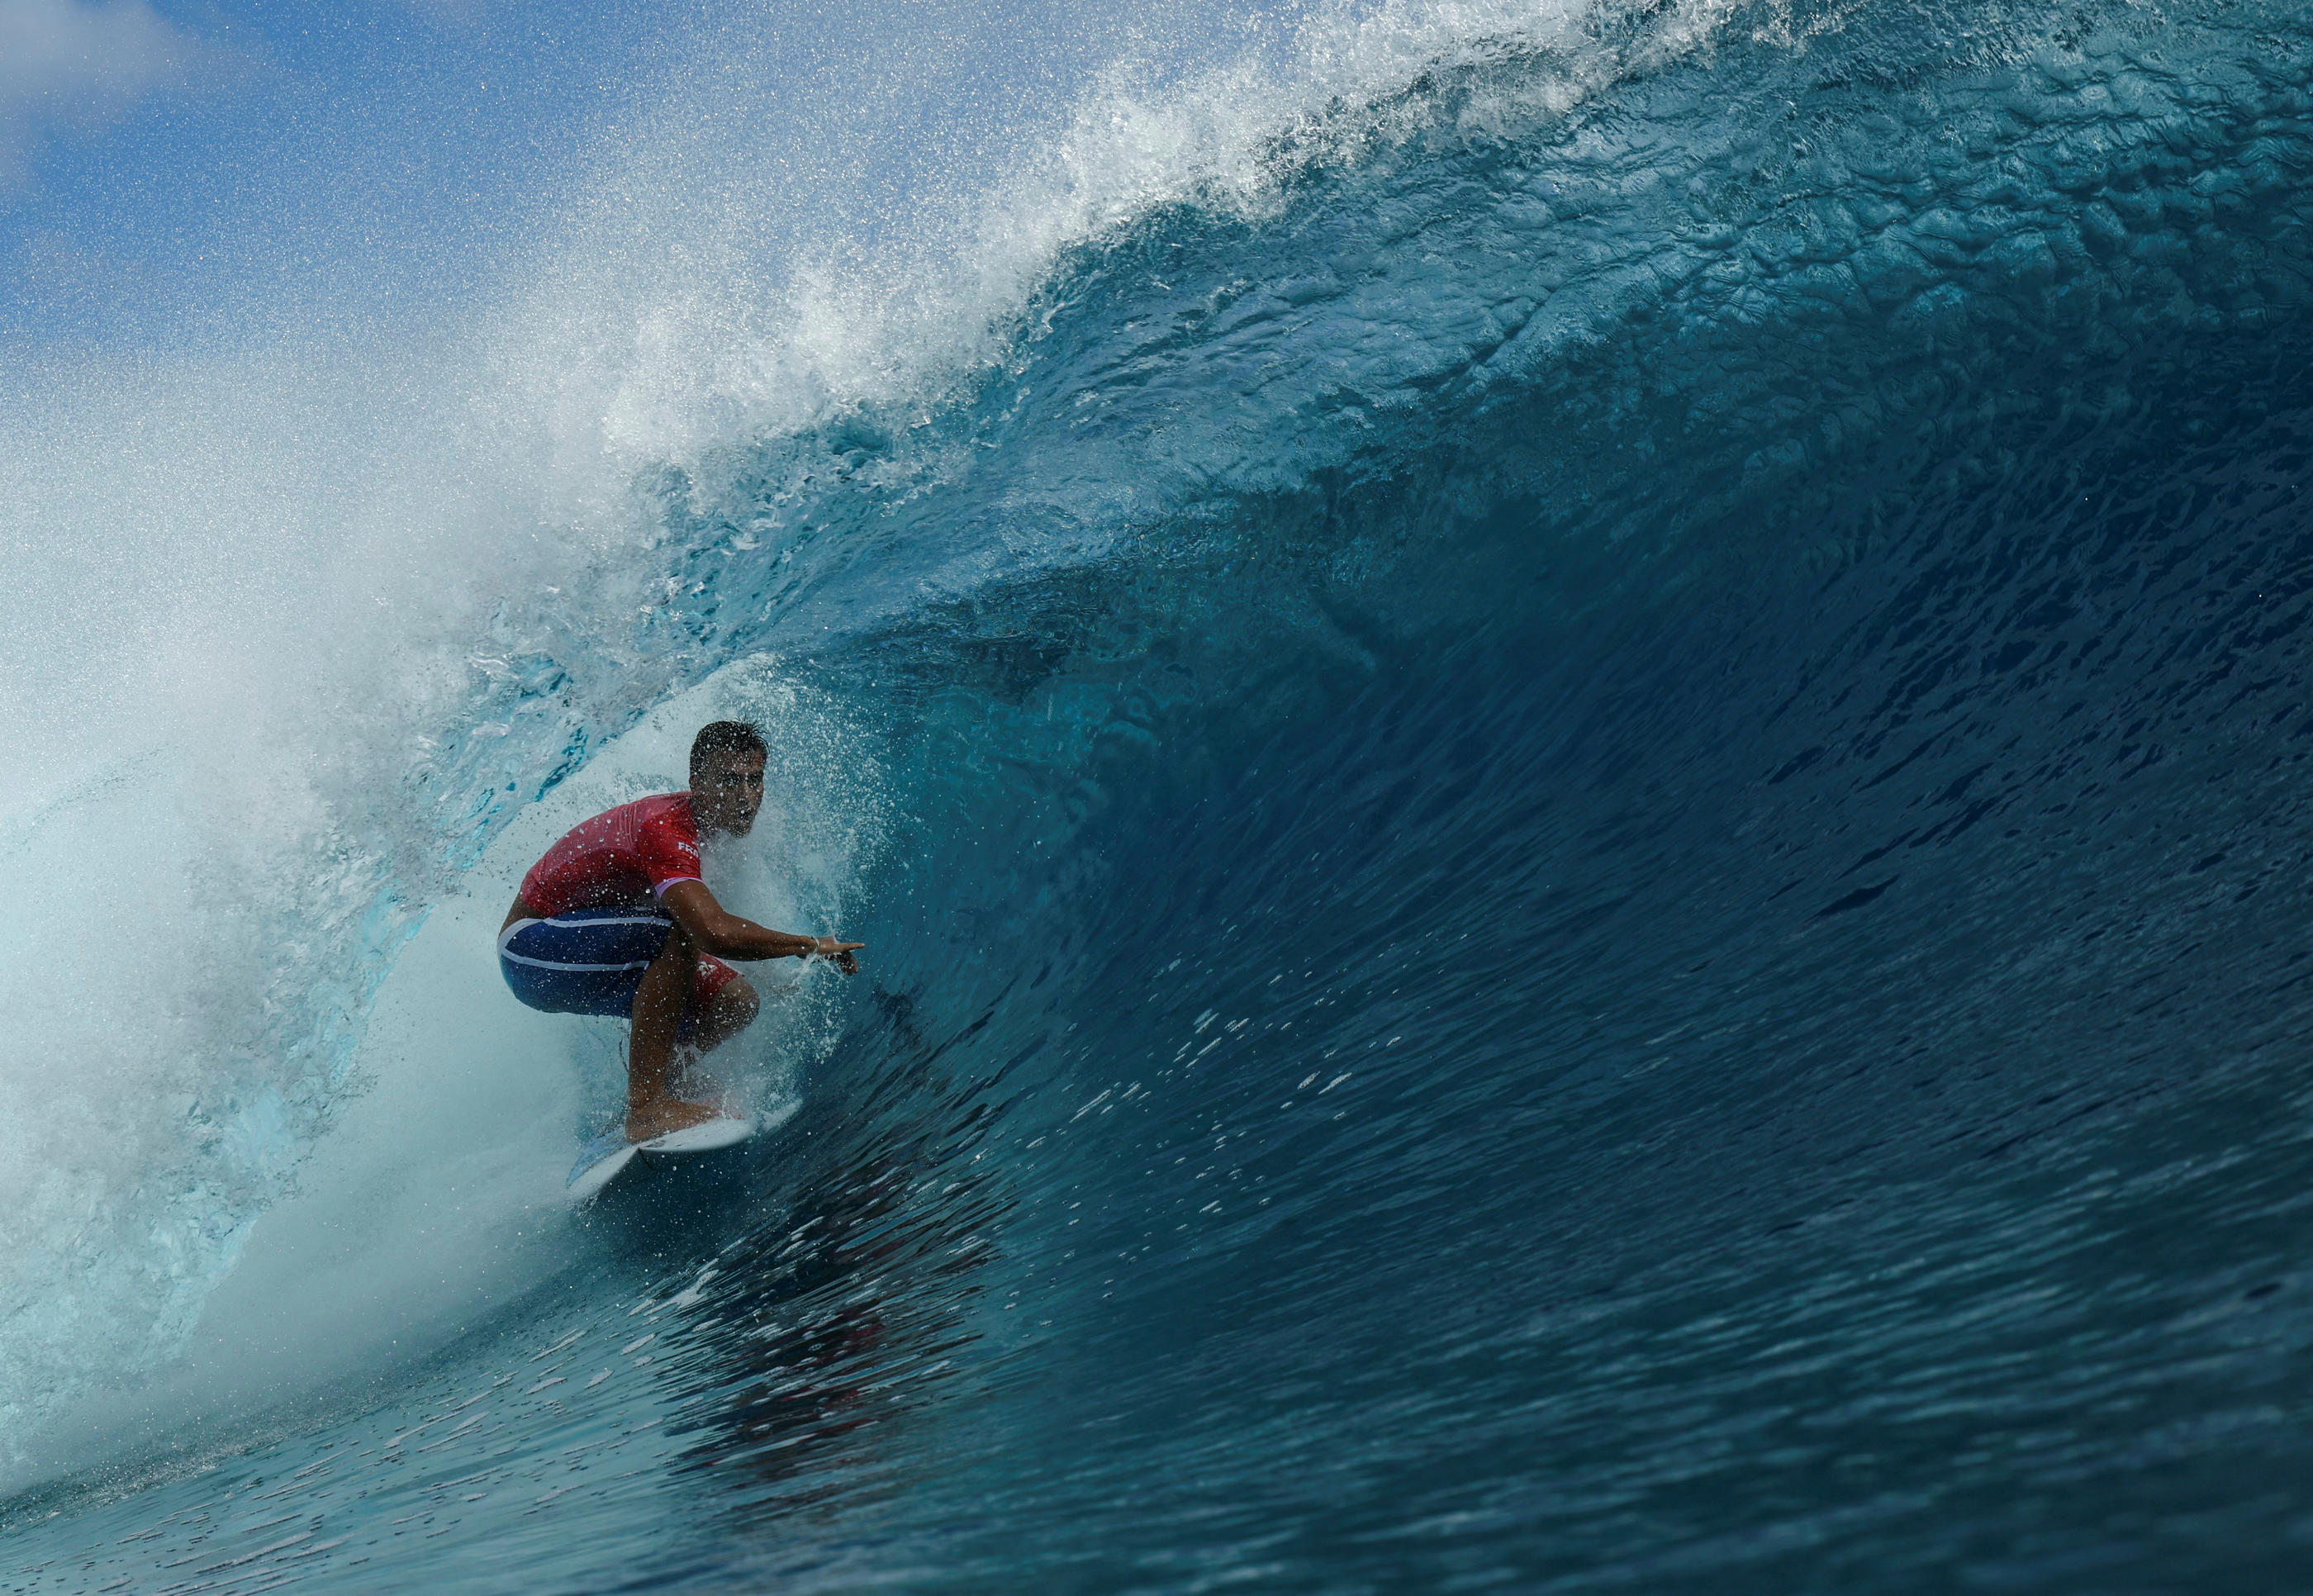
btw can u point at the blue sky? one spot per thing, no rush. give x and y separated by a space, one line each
170 168
161 163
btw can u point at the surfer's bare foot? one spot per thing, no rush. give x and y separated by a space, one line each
646 1120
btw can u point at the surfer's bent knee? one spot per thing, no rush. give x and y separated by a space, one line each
739 995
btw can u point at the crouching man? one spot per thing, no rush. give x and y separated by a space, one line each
615 920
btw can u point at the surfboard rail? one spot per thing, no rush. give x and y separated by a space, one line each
611 1155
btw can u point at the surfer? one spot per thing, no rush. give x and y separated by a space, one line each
615 920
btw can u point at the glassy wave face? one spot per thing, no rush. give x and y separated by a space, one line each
1583 846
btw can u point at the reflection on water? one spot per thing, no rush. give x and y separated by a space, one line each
840 1312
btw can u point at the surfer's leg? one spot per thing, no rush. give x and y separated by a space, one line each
728 1012
660 999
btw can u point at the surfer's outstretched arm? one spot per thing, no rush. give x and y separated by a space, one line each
669 985
714 929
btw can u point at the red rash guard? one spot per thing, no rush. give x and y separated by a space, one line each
626 857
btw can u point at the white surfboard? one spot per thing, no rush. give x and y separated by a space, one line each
611 1155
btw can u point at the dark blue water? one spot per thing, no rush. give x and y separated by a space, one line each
1595 879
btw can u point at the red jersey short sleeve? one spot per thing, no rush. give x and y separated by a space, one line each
666 842
626 856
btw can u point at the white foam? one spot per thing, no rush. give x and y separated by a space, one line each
649 355
437 1195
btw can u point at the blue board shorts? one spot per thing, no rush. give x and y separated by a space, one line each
590 961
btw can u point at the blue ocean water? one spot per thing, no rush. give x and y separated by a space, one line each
1585 861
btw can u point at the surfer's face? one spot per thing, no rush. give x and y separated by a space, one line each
725 792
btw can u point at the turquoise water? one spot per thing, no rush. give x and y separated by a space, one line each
1583 849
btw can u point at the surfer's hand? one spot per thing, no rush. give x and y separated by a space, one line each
839 954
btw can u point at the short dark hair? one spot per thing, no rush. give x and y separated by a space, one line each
727 737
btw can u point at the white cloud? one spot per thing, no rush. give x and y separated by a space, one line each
66 64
